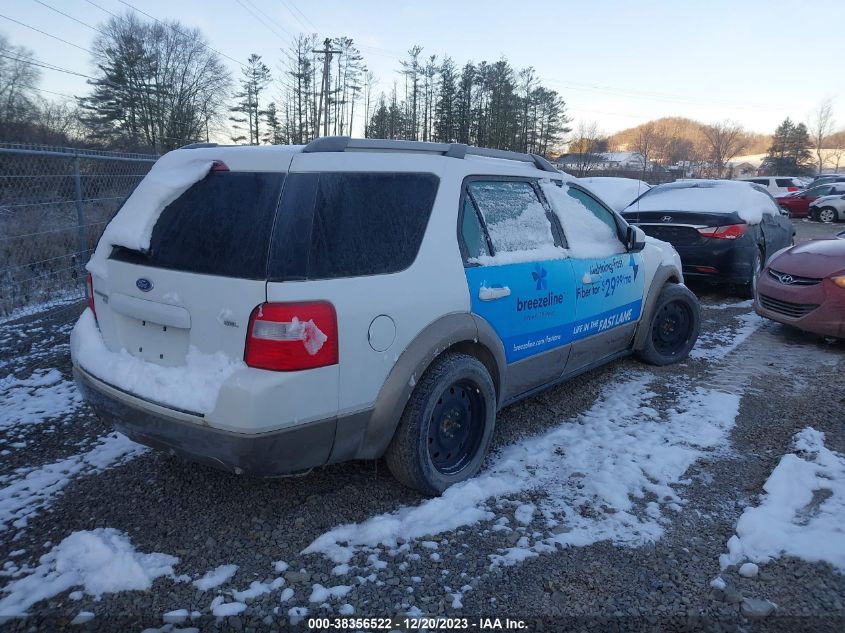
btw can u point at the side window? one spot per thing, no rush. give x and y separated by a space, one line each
342 224
595 207
472 233
784 182
368 224
516 219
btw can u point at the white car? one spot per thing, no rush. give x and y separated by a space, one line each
617 192
828 208
267 310
777 185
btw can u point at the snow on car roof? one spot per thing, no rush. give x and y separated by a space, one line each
617 192
708 196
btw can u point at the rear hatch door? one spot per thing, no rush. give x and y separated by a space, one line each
202 276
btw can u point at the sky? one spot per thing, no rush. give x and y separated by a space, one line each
614 62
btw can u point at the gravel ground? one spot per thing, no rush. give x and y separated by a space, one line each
785 381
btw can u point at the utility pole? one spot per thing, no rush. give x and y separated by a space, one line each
327 53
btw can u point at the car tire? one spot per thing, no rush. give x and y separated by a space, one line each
673 326
826 215
748 290
447 426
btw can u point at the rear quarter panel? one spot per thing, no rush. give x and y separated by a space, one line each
431 287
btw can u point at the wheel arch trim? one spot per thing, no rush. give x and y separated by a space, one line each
663 275
460 331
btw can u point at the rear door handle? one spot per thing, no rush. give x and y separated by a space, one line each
491 294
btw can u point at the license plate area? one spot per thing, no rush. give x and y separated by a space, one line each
154 342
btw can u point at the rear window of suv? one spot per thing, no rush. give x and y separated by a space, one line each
220 226
344 224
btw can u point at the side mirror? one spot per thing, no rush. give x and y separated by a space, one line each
634 239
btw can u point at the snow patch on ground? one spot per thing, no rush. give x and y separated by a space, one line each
34 489
802 513
748 303
222 609
714 346
215 577
592 472
42 396
319 593
101 561
192 387
58 299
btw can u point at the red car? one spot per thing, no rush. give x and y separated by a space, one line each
804 286
797 204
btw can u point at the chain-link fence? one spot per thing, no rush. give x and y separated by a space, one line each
54 204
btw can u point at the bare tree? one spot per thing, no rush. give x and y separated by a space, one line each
820 126
645 143
586 145
18 80
159 85
723 141
836 148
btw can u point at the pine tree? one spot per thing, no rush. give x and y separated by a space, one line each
274 133
445 109
256 76
789 153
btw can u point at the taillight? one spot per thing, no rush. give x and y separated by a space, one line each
89 282
792 188
219 165
292 336
728 232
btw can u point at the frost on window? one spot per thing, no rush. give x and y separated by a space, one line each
515 218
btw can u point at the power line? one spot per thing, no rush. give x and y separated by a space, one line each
170 26
307 19
262 22
32 28
45 65
58 94
257 8
70 17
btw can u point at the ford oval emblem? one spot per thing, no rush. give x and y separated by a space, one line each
144 284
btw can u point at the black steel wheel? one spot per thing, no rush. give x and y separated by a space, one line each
673 326
447 426
455 427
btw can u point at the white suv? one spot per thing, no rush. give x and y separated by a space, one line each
777 185
270 309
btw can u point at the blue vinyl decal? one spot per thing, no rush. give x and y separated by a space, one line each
609 293
538 306
537 313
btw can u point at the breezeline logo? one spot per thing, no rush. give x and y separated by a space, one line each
539 275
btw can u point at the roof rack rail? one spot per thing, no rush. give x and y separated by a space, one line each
198 145
452 150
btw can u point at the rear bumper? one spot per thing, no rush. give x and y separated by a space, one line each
732 260
828 319
267 454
